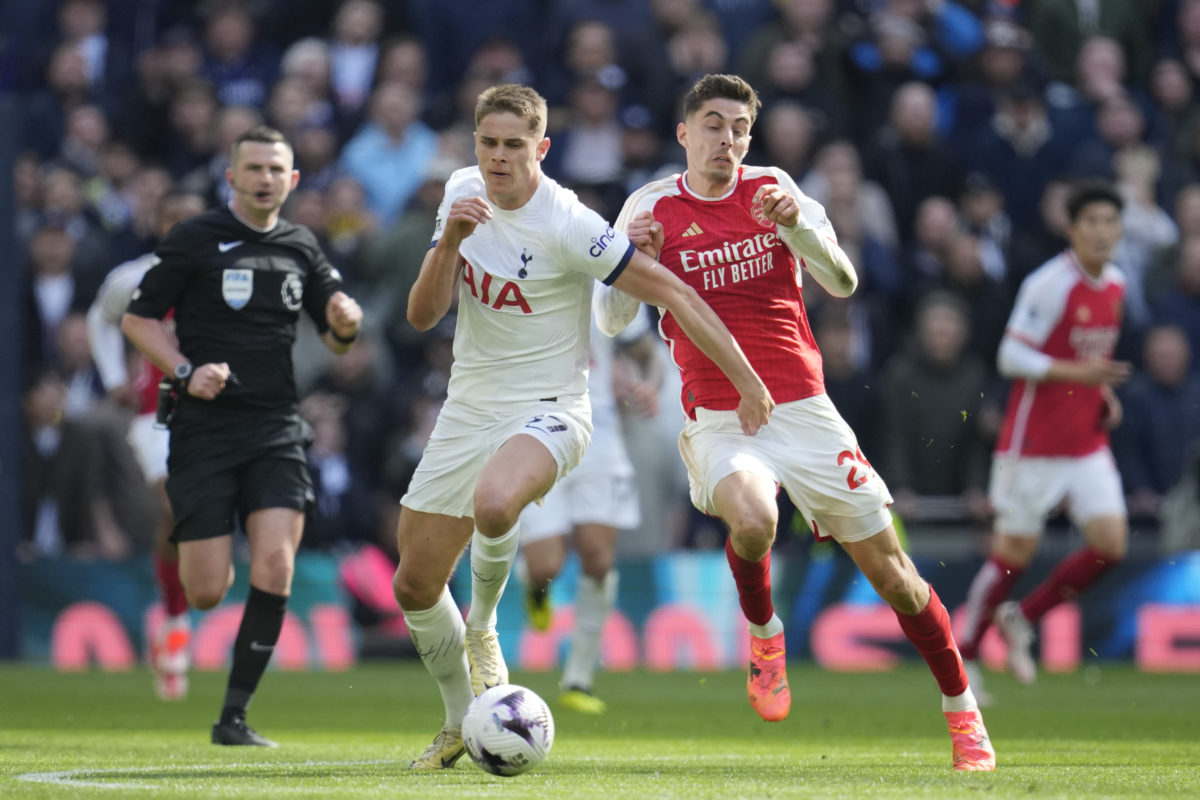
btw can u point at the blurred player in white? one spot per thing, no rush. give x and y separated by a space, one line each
740 236
131 380
516 419
1054 445
591 505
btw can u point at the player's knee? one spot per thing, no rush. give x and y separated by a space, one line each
752 531
206 596
494 513
900 587
274 569
412 593
596 565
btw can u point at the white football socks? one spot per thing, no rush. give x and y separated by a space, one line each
593 602
963 702
491 562
438 634
774 627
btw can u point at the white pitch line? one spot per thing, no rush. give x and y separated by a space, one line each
69 777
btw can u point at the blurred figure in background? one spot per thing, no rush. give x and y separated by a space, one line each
1054 445
132 381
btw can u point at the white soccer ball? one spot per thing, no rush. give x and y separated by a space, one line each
508 730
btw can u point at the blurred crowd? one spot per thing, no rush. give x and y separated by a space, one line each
941 136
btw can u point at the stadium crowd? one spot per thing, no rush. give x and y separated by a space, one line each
940 135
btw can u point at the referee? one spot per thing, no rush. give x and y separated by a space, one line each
237 278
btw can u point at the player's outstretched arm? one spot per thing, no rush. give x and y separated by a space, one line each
614 309
651 282
345 318
433 290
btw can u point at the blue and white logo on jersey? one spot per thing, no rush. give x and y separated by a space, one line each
599 245
236 287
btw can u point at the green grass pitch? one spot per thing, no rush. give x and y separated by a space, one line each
1106 732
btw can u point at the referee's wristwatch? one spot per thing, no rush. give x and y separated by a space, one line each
183 374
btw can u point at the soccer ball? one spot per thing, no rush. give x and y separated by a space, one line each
508 730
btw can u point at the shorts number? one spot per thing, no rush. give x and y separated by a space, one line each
856 459
547 424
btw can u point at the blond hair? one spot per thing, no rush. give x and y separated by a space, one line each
516 99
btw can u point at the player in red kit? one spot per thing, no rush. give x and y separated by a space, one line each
739 236
1058 349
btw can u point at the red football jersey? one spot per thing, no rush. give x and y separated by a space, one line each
1066 314
736 261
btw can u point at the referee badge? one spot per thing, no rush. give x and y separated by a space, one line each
236 287
293 292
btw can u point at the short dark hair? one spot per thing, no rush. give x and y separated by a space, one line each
1086 192
264 134
729 87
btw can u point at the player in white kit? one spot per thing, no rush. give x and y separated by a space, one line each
1054 446
125 376
590 505
523 254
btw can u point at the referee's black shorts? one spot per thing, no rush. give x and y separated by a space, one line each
216 477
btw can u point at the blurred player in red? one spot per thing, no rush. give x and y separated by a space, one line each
1058 349
132 380
739 235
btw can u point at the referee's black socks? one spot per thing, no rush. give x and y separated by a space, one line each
262 620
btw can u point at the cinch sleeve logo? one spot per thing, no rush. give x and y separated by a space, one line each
599 245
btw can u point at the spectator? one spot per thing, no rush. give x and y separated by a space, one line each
909 159
936 225
838 171
354 53
1020 152
1060 28
932 398
388 154
1034 245
981 208
1162 420
85 390
1163 270
193 113
789 138
809 22
850 382
237 63
1181 304
82 494
791 76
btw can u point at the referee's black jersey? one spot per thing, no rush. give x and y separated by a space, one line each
237 294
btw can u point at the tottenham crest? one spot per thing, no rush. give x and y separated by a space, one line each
293 292
236 287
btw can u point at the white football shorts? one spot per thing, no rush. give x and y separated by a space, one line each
1025 490
597 492
808 449
150 444
464 438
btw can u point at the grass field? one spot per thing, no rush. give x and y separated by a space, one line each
1107 732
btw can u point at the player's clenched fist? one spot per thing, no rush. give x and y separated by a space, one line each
465 214
344 315
777 205
646 234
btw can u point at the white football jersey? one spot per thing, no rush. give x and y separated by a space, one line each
525 299
104 318
608 445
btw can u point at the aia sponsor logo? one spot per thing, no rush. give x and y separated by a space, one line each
484 290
